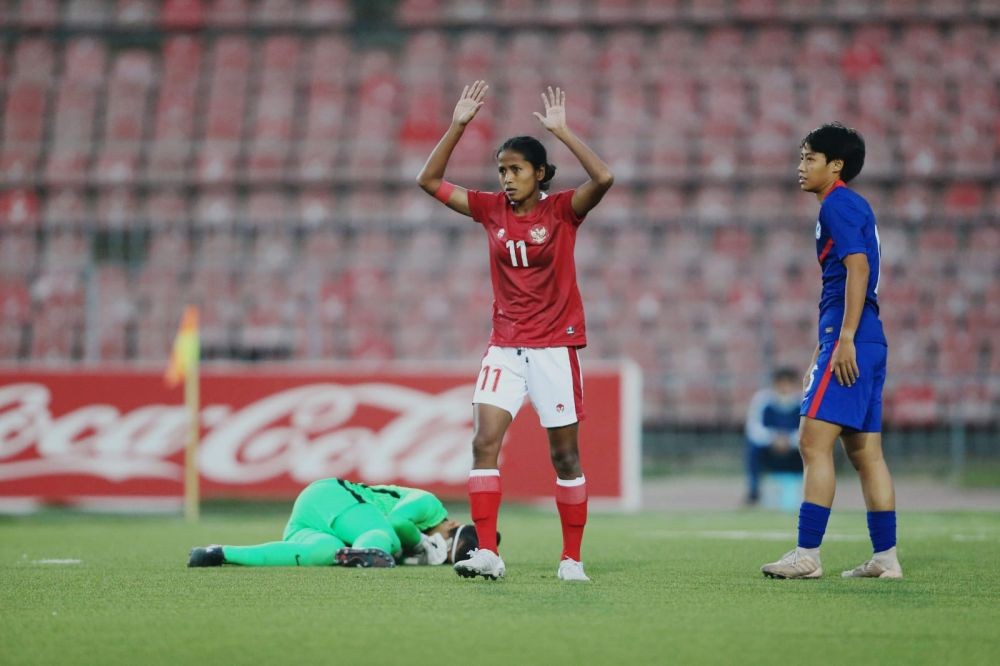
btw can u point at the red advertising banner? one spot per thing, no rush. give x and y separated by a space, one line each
267 431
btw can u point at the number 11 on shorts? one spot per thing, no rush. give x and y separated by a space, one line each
486 376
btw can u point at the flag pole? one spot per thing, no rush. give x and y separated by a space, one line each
192 401
184 364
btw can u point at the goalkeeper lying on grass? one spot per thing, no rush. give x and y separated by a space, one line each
353 524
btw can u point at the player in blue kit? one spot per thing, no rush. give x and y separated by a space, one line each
843 388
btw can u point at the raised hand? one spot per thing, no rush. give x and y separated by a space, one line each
554 119
469 103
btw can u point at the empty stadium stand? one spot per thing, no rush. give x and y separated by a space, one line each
257 158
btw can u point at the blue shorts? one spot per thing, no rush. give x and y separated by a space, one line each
857 407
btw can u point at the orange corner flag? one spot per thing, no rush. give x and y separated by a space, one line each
186 351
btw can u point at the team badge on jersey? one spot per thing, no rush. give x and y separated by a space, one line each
539 234
501 233
818 230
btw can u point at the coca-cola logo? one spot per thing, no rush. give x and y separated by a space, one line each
307 432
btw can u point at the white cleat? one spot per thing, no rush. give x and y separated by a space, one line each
880 566
483 563
794 565
570 569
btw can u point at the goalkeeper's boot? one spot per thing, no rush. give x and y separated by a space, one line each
570 569
369 558
208 556
794 565
481 562
882 565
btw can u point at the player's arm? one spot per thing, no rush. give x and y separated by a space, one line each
415 511
756 431
844 361
431 177
589 194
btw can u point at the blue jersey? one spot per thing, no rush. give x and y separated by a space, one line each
846 226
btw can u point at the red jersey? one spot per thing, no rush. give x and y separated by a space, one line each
536 302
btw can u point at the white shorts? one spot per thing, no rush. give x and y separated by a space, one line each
549 376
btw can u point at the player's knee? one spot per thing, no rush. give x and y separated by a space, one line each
484 445
378 538
864 458
565 461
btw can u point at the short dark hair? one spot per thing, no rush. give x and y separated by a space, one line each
784 373
838 142
534 153
464 541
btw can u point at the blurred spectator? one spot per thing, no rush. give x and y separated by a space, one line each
772 431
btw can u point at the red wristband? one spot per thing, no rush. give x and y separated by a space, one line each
443 192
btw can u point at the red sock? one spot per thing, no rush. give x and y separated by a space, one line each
484 503
571 501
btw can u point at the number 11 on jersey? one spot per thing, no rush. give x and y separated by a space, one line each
521 245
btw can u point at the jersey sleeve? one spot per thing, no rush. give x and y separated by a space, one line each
758 433
564 207
420 508
846 226
479 203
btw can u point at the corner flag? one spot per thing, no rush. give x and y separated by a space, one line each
184 365
184 359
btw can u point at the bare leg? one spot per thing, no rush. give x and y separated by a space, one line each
864 449
564 451
484 481
571 498
490 425
816 440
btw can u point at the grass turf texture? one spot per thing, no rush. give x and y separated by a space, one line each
667 588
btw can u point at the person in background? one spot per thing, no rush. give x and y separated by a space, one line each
772 431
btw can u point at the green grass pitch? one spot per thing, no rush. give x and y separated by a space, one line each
667 588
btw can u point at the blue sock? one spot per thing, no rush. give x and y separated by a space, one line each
882 529
812 524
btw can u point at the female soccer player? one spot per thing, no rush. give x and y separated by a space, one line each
538 322
852 351
335 521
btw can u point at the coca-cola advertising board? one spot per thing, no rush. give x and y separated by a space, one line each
117 436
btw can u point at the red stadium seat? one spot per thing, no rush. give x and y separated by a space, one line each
913 404
86 14
116 208
136 13
66 207
326 13
275 13
182 14
658 12
228 13
19 209
43 14
18 253
419 12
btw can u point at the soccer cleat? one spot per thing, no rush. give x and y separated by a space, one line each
877 567
483 563
368 558
570 569
794 565
207 556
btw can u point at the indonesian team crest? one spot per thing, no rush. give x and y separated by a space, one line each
539 234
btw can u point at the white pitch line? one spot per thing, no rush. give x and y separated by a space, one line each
744 535
748 535
57 561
